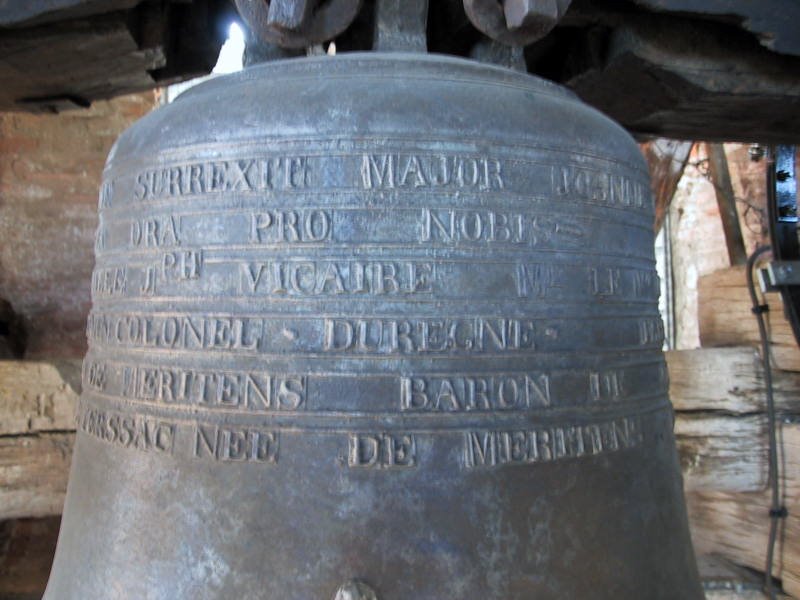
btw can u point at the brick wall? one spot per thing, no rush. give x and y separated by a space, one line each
50 169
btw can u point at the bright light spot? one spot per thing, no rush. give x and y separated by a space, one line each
230 57
230 61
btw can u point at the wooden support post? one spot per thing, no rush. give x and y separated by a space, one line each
726 201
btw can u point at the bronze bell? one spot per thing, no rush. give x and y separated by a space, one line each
378 326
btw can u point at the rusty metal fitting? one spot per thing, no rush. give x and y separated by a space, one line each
298 23
516 22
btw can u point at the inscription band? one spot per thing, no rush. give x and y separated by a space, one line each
481 448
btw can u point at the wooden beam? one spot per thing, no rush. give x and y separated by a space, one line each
666 161
33 474
37 422
720 429
727 380
726 201
16 14
688 80
722 453
736 525
725 317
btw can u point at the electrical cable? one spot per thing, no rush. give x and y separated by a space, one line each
777 511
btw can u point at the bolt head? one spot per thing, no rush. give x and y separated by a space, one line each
756 152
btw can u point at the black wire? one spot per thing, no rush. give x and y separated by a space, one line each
777 510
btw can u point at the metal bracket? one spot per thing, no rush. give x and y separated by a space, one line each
783 273
782 203
779 274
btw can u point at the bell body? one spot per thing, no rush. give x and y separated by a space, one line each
386 320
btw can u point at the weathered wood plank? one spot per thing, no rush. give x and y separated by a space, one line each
725 317
772 21
15 13
37 416
38 396
722 453
33 474
736 525
719 397
727 379
700 81
66 59
127 46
